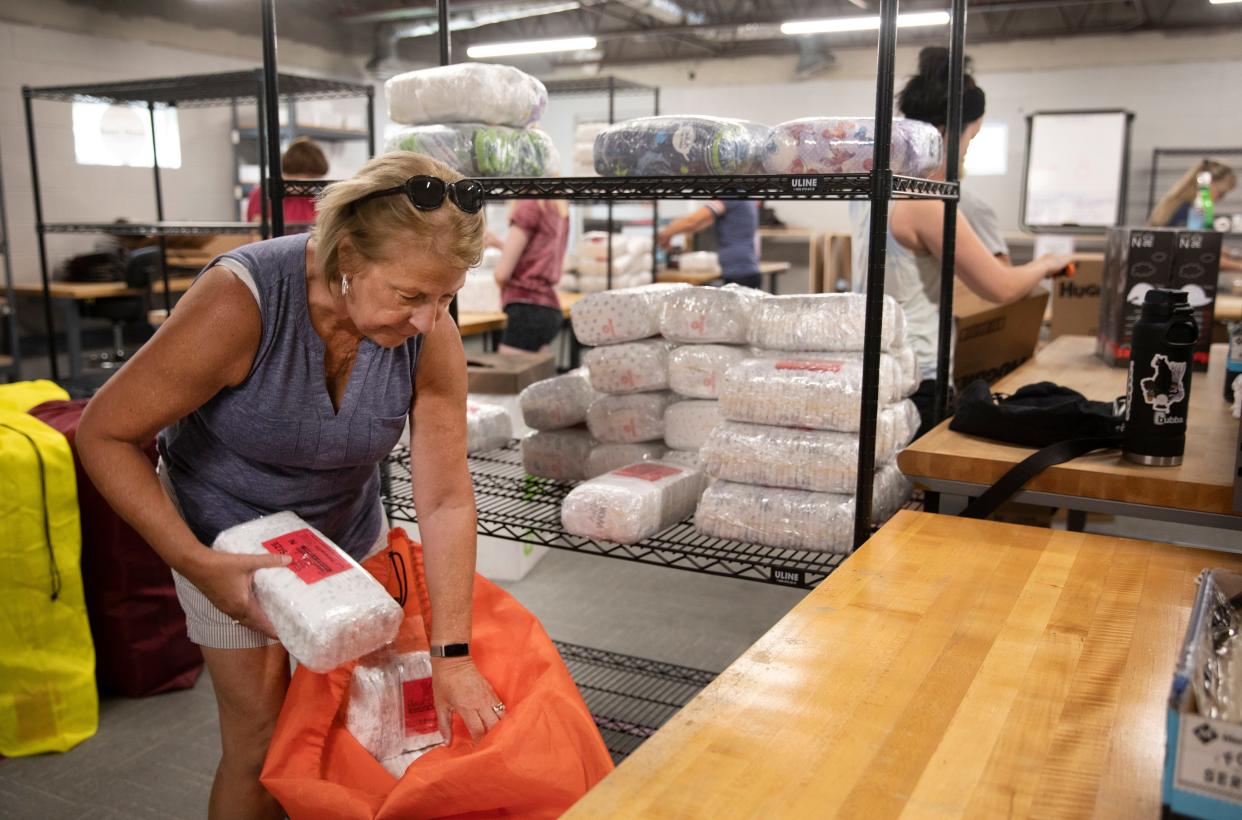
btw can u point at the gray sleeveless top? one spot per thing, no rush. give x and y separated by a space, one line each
273 442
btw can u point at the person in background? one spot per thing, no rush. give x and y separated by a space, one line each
985 224
531 257
303 159
916 232
737 239
1173 209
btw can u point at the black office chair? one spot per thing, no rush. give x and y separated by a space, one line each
141 268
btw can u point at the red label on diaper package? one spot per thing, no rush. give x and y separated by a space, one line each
648 472
313 558
818 367
419 706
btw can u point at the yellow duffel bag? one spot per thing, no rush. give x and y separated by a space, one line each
48 701
21 396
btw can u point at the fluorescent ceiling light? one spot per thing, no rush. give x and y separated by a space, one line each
1222 2
870 23
530 47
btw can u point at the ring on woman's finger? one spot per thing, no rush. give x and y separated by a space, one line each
499 709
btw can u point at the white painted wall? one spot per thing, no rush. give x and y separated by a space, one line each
201 189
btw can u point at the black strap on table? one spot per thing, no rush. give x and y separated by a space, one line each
1031 466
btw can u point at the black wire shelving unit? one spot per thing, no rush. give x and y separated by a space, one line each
11 362
190 91
518 507
630 698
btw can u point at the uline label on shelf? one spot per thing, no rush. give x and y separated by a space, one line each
804 185
788 577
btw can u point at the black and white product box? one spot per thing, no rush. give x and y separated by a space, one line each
1135 261
1196 266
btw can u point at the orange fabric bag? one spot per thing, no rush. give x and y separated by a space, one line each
545 754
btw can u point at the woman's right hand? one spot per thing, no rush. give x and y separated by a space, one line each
226 580
1054 263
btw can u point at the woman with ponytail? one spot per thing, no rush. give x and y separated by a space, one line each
916 231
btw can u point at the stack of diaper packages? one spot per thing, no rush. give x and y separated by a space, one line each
786 455
477 118
711 325
488 426
556 410
584 147
631 261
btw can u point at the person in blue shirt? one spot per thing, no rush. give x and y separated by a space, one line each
736 223
1173 209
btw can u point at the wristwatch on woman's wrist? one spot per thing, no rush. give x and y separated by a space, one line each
450 650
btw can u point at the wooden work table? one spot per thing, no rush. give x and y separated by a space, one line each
86 291
474 323
949 668
1199 491
669 275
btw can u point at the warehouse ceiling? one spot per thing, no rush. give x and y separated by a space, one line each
393 35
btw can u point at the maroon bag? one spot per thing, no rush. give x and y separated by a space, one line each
141 647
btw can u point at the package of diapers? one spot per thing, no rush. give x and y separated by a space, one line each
697 370
794 519
593 246
908 421
633 367
709 315
624 265
608 457
618 316
683 458
560 455
391 709
488 427
892 375
632 503
558 402
675 145
699 262
629 419
466 92
479 150
687 424
846 145
822 460
910 373
822 322
823 394
327 610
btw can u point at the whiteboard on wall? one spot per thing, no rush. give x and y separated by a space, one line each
1076 169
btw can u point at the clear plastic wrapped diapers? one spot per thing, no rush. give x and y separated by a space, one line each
794 519
558 402
697 370
391 710
709 315
823 393
327 610
632 503
560 455
821 460
629 419
466 92
633 367
617 316
673 145
846 145
479 150
488 427
608 457
822 322
687 424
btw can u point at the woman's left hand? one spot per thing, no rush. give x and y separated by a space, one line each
460 687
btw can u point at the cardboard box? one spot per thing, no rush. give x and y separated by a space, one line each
1136 260
507 373
992 340
1076 299
1196 266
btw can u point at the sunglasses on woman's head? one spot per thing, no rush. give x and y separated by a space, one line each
428 193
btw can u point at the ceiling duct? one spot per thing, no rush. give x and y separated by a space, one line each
666 11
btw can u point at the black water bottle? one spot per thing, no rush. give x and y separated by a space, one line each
1161 353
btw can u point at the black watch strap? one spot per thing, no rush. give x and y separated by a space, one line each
450 650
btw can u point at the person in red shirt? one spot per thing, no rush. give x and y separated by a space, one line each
303 159
529 268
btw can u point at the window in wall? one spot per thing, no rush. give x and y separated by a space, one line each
989 151
106 134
